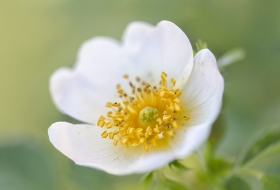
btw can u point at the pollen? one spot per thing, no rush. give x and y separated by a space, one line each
148 116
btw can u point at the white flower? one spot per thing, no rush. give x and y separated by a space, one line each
146 100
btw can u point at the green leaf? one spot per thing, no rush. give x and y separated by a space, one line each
174 185
219 166
253 181
26 166
237 183
231 56
267 160
261 144
271 182
147 178
178 165
200 45
165 182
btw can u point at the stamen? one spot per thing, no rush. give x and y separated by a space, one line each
104 134
101 121
148 117
173 81
163 75
125 76
115 142
186 117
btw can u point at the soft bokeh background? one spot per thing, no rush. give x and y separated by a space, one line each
37 37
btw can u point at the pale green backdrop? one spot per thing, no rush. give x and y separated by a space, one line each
39 36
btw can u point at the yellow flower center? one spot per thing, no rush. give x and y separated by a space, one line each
149 117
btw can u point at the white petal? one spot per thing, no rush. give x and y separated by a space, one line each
85 146
202 95
201 100
155 49
189 139
84 91
147 51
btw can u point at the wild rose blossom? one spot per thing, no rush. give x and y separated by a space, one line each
145 101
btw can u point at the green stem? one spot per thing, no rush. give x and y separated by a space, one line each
240 158
257 174
208 173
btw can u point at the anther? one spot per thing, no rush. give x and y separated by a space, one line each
130 130
120 91
171 133
116 104
159 121
124 140
109 104
160 136
139 134
131 98
147 135
115 142
104 134
163 75
131 85
109 125
109 114
178 92
174 124
156 130
173 81
142 140
139 89
101 122
186 117
177 107
111 136
125 76
166 118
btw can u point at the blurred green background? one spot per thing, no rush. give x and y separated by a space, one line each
38 37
